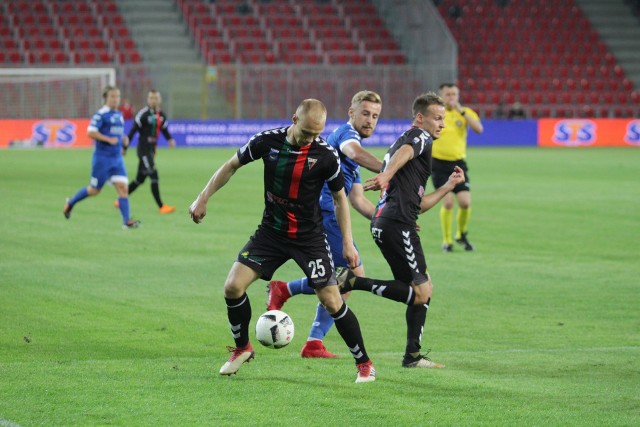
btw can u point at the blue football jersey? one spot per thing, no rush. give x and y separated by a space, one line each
342 135
109 123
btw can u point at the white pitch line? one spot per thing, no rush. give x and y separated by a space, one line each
524 350
7 423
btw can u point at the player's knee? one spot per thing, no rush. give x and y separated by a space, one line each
232 289
330 299
93 191
423 292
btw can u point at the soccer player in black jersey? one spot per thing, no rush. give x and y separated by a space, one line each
297 162
407 167
149 123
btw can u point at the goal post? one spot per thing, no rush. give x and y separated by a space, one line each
52 93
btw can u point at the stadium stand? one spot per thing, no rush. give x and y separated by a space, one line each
50 32
542 53
230 31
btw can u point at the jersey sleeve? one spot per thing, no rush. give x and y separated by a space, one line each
134 128
165 127
96 122
335 178
253 150
351 136
470 113
419 140
356 178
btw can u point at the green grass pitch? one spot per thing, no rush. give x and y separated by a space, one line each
539 326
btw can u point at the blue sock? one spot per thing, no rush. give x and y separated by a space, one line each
80 195
300 286
123 204
321 324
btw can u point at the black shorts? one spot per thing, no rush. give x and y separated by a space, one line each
442 169
266 251
400 245
146 163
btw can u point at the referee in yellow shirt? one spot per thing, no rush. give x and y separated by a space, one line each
450 150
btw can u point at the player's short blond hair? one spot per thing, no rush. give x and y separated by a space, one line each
422 102
366 95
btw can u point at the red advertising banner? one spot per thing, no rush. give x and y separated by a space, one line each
55 133
589 133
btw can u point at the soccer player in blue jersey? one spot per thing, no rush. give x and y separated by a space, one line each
346 140
107 130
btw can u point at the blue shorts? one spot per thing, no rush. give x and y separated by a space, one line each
106 168
334 237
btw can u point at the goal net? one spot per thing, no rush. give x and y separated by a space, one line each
52 93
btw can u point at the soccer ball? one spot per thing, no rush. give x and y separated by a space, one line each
274 329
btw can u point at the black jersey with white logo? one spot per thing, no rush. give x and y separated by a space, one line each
400 201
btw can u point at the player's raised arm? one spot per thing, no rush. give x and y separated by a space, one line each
430 200
362 157
397 161
198 208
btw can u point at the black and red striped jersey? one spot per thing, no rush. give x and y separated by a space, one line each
149 124
293 179
400 201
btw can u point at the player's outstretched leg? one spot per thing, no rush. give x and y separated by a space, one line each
394 290
314 347
279 292
127 223
82 194
349 329
415 318
239 314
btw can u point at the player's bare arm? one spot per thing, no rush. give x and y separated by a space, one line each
198 209
430 200
360 202
344 221
94 134
362 157
397 161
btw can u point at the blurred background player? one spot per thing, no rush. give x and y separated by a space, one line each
364 113
403 181
149 123
450 150
107 130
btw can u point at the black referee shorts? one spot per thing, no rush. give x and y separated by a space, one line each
441 170
266 251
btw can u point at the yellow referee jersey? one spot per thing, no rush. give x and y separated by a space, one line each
452 144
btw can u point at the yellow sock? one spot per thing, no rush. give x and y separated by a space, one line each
446 222
463 221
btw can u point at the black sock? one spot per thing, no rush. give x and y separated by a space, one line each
132 186
239 313
155 190
416 315
395 290
349 329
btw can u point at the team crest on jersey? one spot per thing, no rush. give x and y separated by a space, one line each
311 162
273 154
